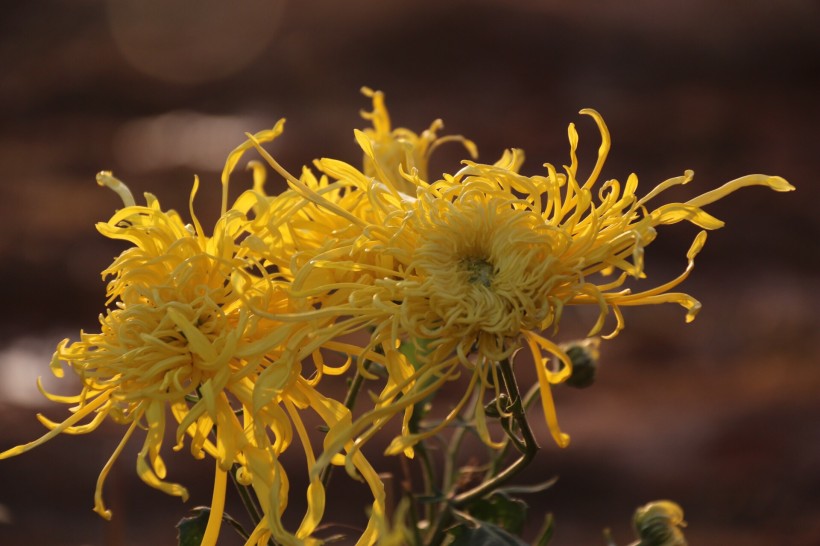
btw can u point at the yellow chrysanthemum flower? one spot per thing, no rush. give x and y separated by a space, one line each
400 150
474 266
182 335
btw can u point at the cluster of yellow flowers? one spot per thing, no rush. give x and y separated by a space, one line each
229 331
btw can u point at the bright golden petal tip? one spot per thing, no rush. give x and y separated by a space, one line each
775 183
106 178
778 183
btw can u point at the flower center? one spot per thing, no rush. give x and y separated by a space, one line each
480 270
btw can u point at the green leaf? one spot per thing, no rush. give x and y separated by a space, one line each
475 532
485 534
191 530
545 534
411 350
518 489
507 512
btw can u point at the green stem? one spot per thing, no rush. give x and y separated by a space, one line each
519 414
449 477
526 444
248 502
236 526
437 532
428 475
495 464
428 472
414 524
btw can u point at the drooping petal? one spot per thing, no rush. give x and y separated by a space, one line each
214 524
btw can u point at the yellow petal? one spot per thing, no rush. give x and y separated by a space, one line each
217 508
79 415
147 475
547 403
106 178
99 505
673 213
239 151
774 182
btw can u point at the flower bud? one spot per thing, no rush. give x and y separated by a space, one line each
584 356
658 524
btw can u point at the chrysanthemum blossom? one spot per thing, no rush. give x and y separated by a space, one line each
393 151
476 265
180 335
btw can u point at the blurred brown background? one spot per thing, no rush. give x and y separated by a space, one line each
722 415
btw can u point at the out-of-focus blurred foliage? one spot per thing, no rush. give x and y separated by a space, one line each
722 415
